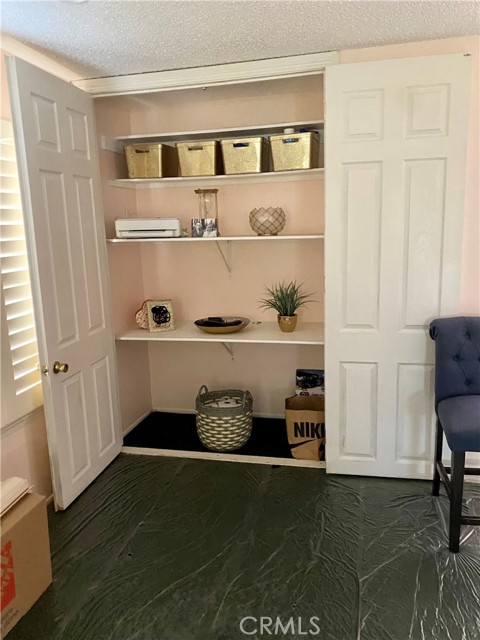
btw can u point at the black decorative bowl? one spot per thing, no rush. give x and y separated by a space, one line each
222 324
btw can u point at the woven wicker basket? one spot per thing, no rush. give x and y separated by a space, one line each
224 428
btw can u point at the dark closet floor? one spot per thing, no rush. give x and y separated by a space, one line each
173 549
177 431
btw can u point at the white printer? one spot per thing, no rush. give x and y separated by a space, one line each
147 228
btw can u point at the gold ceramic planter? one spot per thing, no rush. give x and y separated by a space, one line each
287 323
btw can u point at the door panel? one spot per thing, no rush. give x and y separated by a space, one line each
364 115
361 218
85 212
58 161
427 110
358 409
424 222
102 382
78 124
395 172
414 394
76 425
56 257
47 135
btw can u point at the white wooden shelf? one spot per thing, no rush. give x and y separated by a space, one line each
228 132
116 144
218 239
306 333
296 175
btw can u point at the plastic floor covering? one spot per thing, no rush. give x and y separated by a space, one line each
173 549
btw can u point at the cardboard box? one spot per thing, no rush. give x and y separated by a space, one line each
305 421
25 556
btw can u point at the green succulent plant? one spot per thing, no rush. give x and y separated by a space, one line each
285 299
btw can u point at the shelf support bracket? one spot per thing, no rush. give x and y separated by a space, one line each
226 255
228 347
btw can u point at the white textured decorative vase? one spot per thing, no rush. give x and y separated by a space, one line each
267 222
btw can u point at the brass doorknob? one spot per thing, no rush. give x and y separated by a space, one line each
60 367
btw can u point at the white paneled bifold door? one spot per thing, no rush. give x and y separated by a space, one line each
59 177
395 172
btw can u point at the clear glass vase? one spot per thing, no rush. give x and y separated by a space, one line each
207 203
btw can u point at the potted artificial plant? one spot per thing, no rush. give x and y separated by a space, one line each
285 299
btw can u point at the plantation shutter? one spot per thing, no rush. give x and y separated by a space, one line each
21 382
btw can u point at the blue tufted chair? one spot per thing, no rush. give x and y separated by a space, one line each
457 405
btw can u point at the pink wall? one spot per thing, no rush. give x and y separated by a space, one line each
195 278
301 201
25 452
125 267
470 283
241 105
267 371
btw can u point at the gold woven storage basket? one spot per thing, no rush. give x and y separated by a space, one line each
198 158
224 428
244 155
295 151
151 160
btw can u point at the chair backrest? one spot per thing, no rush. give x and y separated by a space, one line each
457 356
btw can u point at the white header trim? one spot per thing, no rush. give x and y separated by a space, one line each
210 76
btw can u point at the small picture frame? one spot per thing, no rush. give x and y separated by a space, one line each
211 228
198 227
204 228
160 315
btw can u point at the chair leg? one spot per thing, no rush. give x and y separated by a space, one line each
458 471
438 457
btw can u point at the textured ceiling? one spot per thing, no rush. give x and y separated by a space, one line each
102 38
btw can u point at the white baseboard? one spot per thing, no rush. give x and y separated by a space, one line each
226 457
137 422
163 410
